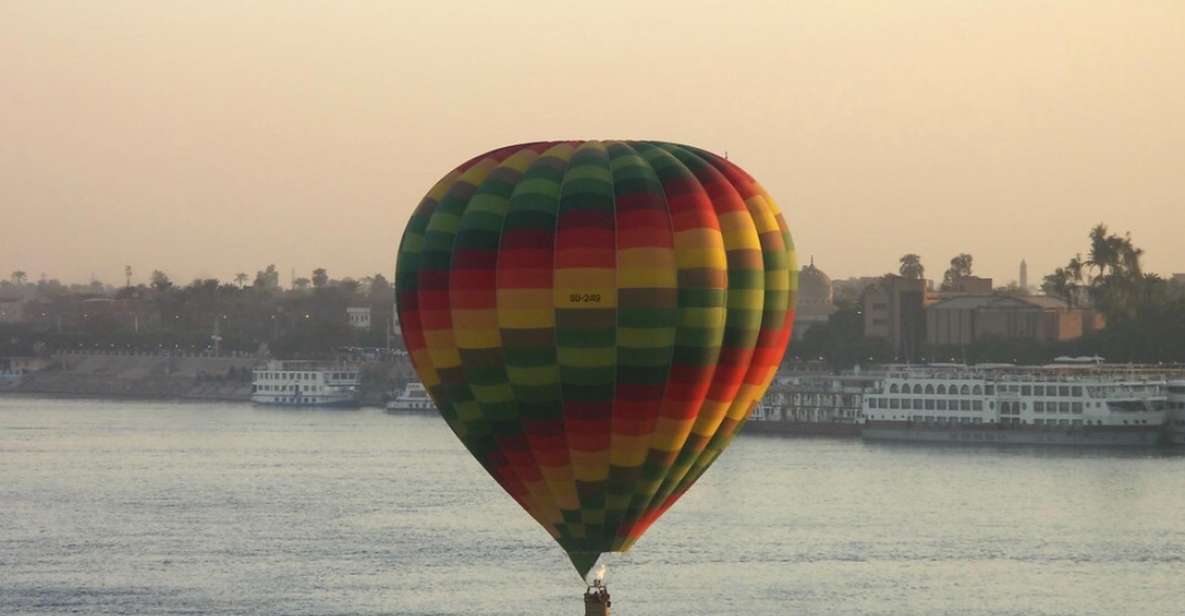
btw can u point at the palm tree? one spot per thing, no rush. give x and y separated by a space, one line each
960 268
241 278
1105 251
1065 282
911 267
19 277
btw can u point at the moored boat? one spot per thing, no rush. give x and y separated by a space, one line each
306 383
1175 426
1049 405
812 404
413 397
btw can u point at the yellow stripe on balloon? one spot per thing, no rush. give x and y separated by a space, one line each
739 232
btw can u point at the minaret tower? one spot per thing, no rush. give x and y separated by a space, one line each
1024 275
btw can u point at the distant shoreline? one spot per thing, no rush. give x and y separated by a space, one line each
55 395
27 393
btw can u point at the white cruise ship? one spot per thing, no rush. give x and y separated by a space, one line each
1176 420
1050 405
414 397
813 404
305 383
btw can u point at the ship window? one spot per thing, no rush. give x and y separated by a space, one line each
1039 406
1077 422
989 389
929 389
917 389
977 405
1038 390
917 403
976 390
1063 391
952 405
929 404
941 389
964 405
1026 390
1076 408
893 388
1077 390
964 391
894 403
1063 407
941 402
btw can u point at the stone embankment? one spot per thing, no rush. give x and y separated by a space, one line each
115 375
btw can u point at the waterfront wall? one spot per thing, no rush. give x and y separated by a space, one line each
141 376
175 376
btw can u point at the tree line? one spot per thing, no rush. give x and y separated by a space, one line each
307 320
1144 313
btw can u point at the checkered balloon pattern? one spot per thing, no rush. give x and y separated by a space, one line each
594 320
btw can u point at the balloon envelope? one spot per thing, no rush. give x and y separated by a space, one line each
595 320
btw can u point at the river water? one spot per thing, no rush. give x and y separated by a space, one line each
193 508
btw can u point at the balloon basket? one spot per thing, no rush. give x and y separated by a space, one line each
596 600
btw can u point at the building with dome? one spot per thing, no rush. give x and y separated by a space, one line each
815 299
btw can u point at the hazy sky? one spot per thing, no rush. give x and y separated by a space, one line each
207 138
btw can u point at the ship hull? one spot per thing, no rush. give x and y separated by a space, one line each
802 428
331 404
1126 436
397 409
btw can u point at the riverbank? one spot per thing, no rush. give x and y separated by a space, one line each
140 377
133 376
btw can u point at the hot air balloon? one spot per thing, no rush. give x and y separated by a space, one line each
594 321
